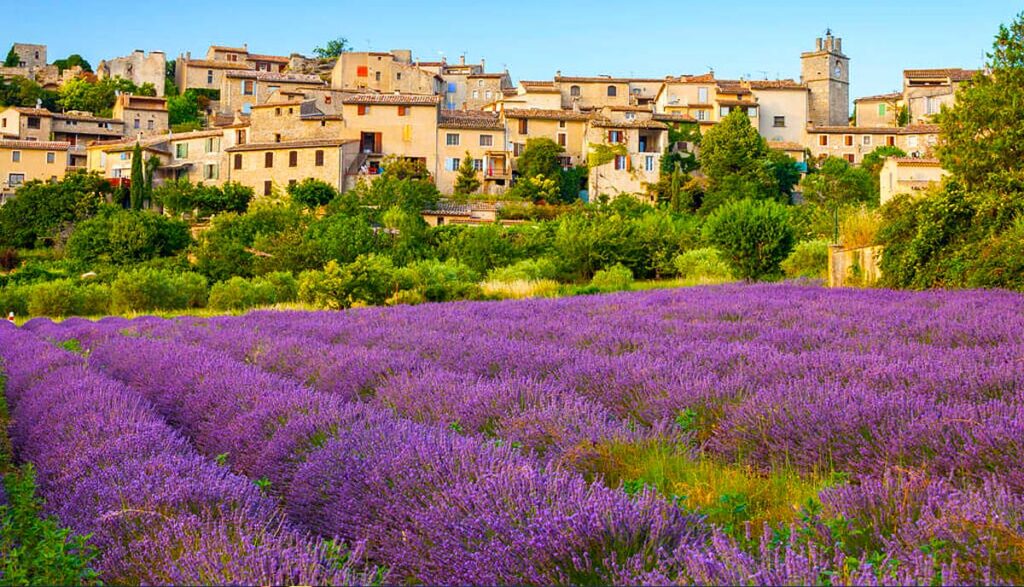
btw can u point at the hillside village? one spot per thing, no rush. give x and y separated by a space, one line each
269 121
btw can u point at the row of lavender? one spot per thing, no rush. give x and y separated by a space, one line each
158 513
561 375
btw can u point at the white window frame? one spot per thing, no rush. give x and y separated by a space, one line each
452 139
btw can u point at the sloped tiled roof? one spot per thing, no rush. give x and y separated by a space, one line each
210 64
394 99
229 49
470 119
274 58
592 79
300 144
916 161
650 124
954 73
86 118
776 84
35 145
920 129
271 76
785 146
31 111
546 114
880 97
673 117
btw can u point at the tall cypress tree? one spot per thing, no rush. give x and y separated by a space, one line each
138 187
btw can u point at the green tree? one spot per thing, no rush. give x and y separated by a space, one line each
982 136
837 184
138 185
183 109
735 159
312 193
98 97
540 157
333 48
467 181
753 236
686 161
873 161
12 59
71 61
39 210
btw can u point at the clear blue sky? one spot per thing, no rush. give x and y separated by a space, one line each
536 38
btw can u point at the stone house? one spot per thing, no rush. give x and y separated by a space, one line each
139 68
22 161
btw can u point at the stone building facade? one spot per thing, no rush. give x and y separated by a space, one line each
826 73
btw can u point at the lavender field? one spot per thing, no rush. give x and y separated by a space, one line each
768 434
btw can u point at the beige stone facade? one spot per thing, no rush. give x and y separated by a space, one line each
592 92
384 72
881 110
642 141
782 110
482 136
926 91
908 175
565 127
853 142
24 161
142 115
400 125
242 90
138 67
270 168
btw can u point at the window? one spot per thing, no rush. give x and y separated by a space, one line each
866 140
612 92
124 156
211 171
752 111
621 162
292 182
138 123
15 156
723 111
881 109
615 136
403 110
238 160
181 151
488 94
452 139
293 159
649 163
240 137
376 76
3 123
848 140
702 95
149 125
823 140
779 121
268 188
248 87
524 126
574 91
277 112
931 105
33 122
453 164
15 179
476 94
277 137
517 149
702 115
213 144
562 139
362 71
247 108
561 124
452 88
890 141
911 141
362 109
209 76
486 140
849 157
268 160
319 158
631 116
51 158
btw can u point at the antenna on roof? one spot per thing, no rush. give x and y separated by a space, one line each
764 73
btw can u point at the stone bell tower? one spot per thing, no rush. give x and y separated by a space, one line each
826 72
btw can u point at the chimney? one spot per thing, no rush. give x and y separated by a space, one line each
817 44
483 65
558 73
245 46
839 45
462 59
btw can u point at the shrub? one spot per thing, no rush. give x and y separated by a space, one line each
312 193
93 299
369 280
236 293
14 298
615 278
54 298
809 259
286 287
704 265
754 237
124 236
525 270
324 289
439 281
146 289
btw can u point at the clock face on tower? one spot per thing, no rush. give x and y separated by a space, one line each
838 69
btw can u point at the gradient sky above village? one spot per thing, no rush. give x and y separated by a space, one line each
536 38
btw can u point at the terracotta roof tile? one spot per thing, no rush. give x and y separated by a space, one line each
776 84
921 161
470 119
395 99
229 49
274 58
954 73
920 129
300 144
31 111
881 97
211 64
673 117
85 118
546 114
271 76
785 146
652 124
592 79
35 145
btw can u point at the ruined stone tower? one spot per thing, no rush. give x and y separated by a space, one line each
826 72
